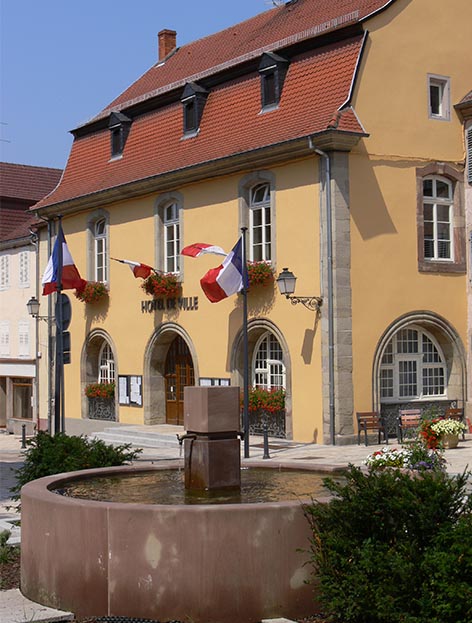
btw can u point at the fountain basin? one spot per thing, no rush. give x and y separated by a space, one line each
230 563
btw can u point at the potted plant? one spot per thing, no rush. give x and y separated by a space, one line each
259 273
100 390
448 431
92 292
162 284
430 436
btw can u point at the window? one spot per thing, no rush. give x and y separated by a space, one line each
100 251
437 213
193 100
272 69
4 339
23 339
440 219
4 272
260 231
106 364
412 367
171 238
23 268
119 126
268 369
438 97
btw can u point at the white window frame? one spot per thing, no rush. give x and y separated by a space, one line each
24 269
439 202
106 364
23 338
442 85
4 272
171 231
272 367
100 250
417 358
262 207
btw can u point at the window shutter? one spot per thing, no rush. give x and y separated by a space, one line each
469 155
24 269
23 339
4 339
4 272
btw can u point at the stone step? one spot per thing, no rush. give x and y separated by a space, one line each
142 439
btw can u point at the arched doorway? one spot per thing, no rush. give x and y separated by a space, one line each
98 365
179 373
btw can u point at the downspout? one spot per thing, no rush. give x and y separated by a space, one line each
330 297
35 243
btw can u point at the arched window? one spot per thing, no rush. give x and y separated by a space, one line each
260 228
268 369
106 364
100 250
412 367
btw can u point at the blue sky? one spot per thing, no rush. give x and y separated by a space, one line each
62 61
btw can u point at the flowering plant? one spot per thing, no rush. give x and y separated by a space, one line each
100 390
448 427
430 437
259 273
91 292
415 456
162 284
270 400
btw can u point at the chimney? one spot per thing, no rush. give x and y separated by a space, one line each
167 41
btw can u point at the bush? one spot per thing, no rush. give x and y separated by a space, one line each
390 547
47 455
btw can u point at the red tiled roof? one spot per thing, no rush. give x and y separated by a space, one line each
25 182
317 84
316 88
274 29
15 223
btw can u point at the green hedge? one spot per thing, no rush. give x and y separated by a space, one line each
394 548
47 455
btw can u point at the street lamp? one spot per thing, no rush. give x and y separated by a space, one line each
286 282
33 309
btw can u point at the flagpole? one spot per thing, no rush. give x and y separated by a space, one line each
245 350
58 393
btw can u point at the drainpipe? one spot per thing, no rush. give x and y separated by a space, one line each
35 242
330 297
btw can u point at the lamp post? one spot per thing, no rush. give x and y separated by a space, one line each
286 282
33 310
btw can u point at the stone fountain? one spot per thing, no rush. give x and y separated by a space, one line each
205 563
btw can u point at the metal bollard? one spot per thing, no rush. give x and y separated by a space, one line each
265 433
23 436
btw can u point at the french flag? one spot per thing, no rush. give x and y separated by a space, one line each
137 268
70 277
226 279
201 248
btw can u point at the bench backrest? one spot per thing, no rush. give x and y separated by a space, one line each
368 419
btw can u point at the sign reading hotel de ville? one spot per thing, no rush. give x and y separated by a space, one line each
182 303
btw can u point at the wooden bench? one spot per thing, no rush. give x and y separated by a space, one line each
370 421
408 420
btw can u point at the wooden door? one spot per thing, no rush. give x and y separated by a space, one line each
178 374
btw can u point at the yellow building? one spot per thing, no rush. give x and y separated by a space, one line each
327 129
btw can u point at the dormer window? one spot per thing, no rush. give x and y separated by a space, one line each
193 101
119 127
272 69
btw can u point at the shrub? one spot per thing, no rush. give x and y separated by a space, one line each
385 544
46 455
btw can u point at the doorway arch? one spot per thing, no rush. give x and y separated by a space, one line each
170 363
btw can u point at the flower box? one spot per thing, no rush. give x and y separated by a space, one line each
162 285
100 390
92 292
259 273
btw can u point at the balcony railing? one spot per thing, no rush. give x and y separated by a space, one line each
102 409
